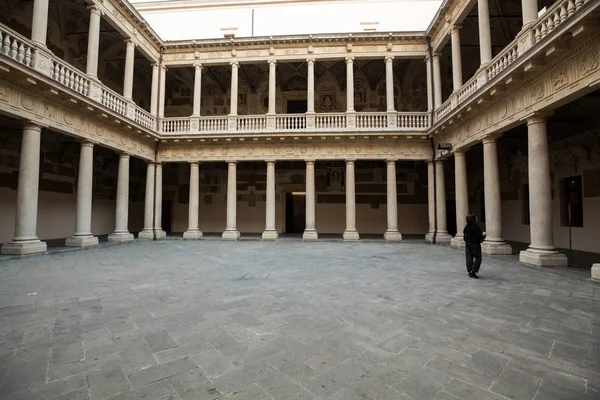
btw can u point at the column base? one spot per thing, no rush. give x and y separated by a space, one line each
443 238
270 234
457 242
492 248
192 235
543 259
310 235
146 234
596 272
231 235
429 237
24 248
351 235
160 234
392 236
81 241
120 237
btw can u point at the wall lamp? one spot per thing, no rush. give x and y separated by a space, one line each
444 146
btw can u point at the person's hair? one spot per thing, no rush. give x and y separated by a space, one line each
471 218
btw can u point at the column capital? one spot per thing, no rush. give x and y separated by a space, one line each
85 143
198 66
194 163
537 118
310 61
456 28
439 160
391 161
235 64
129 42
269 162
311 161
122 154
350 161
272 62
389 59
34 126
349 60
436 55
491 138
231 163
163 67
460 153
155 66
95 10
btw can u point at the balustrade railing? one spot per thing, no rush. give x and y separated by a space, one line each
290 122
213 124
113 101
144 118
556 15
175 125
443 110
70 77
15 46
503 60
371 121
413 120
330 121
252 123
468 89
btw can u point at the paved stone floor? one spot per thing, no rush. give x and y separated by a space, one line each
292 321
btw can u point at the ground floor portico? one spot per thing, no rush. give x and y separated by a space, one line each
326 320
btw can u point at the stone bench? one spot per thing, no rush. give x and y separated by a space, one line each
596 272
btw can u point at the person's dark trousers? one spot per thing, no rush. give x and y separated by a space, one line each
473 252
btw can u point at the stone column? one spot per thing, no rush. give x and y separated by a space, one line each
25 240
129 64
270 232
349 84
197 90
235 66
154 91
485 37
437 80
231 233
429 91
430 202
530 11
494 244
158 231
91 67
148 231
310 96
161 91
389 83
461 196
272 86
310 233
541 251
350 234
39 22
392 234
442 236
83 225
193 233
457 78
121 233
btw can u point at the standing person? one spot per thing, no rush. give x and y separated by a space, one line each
473 238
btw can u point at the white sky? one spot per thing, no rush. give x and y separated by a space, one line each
311 18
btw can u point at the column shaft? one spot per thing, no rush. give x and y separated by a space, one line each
442 230
193 232
461 196
158 231
485 37
197 90
310 97
147 232
270 232
530 11
349 84
39 22
233 109
392 234
389 83
83 224
310 233
272 85
429 89
494 244
350 233
231 233
129 66
91 67
121 233
161 91
154 91
25 240
437 76
457 78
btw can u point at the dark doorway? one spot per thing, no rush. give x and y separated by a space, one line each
296 106
451 217
167 215
295 212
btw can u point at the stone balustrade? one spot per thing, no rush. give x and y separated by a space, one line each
16 46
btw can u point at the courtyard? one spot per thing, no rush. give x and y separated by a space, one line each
292 320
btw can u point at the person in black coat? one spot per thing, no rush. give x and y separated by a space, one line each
473 238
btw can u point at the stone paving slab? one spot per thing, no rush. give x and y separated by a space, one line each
290 320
